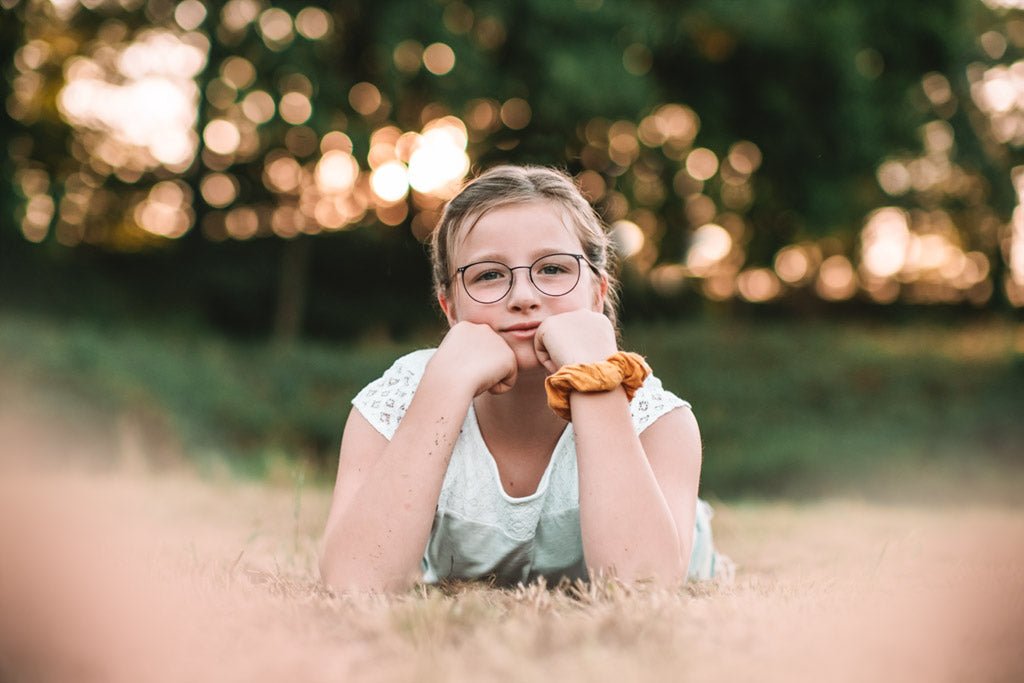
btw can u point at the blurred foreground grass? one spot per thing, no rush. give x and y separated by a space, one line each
174 578
785 408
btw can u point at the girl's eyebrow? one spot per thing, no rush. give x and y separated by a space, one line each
533 255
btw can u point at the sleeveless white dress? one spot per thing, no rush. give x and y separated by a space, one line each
480 532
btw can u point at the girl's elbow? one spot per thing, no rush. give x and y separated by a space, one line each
355 578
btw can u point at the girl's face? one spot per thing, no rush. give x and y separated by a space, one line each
518 235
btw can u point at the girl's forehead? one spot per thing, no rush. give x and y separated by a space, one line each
539 219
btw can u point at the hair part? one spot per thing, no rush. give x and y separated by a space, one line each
509 185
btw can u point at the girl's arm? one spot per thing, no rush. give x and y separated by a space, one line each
386 491
637 494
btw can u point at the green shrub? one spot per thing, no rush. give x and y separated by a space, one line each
783 408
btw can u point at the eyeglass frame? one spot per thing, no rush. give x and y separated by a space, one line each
461 271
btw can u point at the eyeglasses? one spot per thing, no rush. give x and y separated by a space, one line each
488 282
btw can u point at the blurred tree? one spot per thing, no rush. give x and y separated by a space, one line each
717 138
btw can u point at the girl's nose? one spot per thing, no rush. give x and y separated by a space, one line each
523 294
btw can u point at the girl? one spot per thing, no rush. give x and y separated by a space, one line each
455 463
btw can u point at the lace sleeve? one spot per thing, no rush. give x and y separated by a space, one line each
650 402
383 402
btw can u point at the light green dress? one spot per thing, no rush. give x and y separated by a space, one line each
479 531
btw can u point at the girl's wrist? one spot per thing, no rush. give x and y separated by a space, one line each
622 368
584 356
450 378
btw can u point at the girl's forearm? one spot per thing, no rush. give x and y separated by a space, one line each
377 541
626 524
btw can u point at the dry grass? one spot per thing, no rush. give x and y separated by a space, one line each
142 576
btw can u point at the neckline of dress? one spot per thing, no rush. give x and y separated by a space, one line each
542 485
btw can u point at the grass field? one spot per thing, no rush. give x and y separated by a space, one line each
885 542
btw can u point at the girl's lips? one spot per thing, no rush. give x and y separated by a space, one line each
522 326
522 330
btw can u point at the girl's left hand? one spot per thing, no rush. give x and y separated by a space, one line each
575 337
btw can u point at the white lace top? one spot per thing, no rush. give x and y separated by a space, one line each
479 531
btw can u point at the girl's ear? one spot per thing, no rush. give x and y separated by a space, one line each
600 293
447 308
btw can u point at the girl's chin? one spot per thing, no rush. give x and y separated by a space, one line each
526 360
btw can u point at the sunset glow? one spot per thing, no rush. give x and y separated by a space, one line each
148 104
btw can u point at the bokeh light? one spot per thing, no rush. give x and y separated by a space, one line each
709 245
258 106
219 189
438 58
390 182
668 279
295 108
439 161
336 140
145 107
282 172
885 242
236 15
516 113
745 157
365 98
336 172
702 163
1013 246
592 185
997 91
796 263
313 23
408 56
238 71
242 223
623 146
758 285
167 211
38 213
458 18
627 237
222 136
637 59
489 32
700 209
276 28
836 279
189 14
894 178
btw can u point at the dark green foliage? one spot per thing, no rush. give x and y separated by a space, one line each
784 408
825 91
811 407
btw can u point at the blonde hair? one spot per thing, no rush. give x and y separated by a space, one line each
507 185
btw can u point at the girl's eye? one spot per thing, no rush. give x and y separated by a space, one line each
551 269
488 276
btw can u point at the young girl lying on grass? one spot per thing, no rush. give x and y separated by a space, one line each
526 444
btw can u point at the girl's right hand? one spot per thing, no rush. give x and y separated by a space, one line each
477 355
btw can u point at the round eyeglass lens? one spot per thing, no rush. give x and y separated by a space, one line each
556 274
487 281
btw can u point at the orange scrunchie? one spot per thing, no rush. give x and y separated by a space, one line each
624 368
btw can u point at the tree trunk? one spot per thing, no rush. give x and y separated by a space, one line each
291 295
